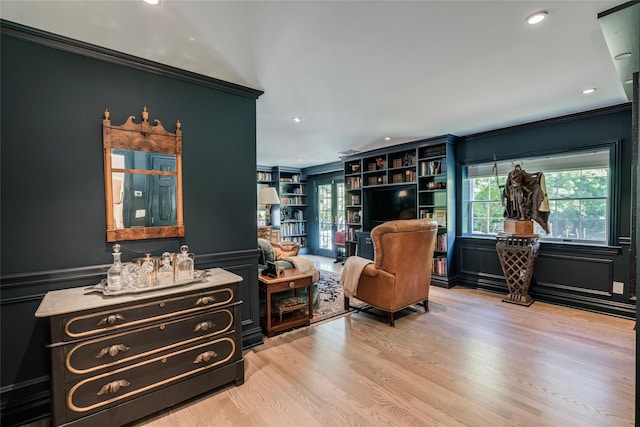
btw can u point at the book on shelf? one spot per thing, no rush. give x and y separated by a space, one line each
291 200
405 176
264 176
353 217
404 161
351 232
436 150
292 228
294 178
439 266
354 182
440 215
432 167
442 243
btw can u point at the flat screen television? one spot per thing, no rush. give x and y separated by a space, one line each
387 204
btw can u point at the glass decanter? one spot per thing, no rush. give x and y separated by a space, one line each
148 271
114 274
165 273
184 264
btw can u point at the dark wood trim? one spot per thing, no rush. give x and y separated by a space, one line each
442 139
323 169
618 8
45 38
596 300
25 402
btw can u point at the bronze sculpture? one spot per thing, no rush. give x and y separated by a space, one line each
525 197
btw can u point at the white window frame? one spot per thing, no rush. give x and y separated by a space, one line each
604 155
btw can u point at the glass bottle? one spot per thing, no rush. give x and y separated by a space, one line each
184 264
165 273
148 270
114 274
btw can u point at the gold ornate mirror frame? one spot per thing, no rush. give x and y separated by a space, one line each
146 141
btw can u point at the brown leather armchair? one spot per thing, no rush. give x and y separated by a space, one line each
401 273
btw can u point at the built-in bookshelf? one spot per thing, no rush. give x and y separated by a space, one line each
289 218
423 173
264 178
292 190
353 204
436 200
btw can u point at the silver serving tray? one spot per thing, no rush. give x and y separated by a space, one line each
198 275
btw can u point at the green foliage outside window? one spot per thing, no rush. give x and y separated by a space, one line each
578 200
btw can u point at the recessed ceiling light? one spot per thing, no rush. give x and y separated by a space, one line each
297 119
387 138
536 17
628 82
152 2
622 56
589 91
299 159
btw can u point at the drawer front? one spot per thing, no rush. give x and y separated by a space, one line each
136 315
99 392
291 284
126 347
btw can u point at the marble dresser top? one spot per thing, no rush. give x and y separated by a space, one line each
76 299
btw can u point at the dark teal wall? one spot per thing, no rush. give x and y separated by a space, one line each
52 223
558 135
52 170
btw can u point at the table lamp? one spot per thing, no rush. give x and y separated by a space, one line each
268 196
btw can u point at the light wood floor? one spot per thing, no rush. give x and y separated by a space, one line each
471 361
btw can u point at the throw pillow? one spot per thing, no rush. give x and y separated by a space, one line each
264 232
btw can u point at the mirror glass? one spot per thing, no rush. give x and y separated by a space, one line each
144 199
143 180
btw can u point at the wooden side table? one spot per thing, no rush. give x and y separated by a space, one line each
289 315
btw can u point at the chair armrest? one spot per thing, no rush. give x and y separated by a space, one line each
371 271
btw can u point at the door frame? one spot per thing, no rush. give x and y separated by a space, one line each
333 180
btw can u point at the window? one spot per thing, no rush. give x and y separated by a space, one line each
578 188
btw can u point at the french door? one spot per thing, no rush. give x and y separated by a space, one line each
330 205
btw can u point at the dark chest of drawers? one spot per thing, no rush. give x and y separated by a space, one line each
115 359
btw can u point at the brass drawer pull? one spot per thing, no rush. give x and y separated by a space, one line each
111 319
113 387
205 300
205 357
292 284
112 350
204 326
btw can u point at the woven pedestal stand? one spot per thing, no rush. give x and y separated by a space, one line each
518 254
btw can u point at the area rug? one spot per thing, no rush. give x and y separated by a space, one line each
331 297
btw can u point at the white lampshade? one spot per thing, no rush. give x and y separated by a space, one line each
268 196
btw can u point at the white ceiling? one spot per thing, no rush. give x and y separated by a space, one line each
359 71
